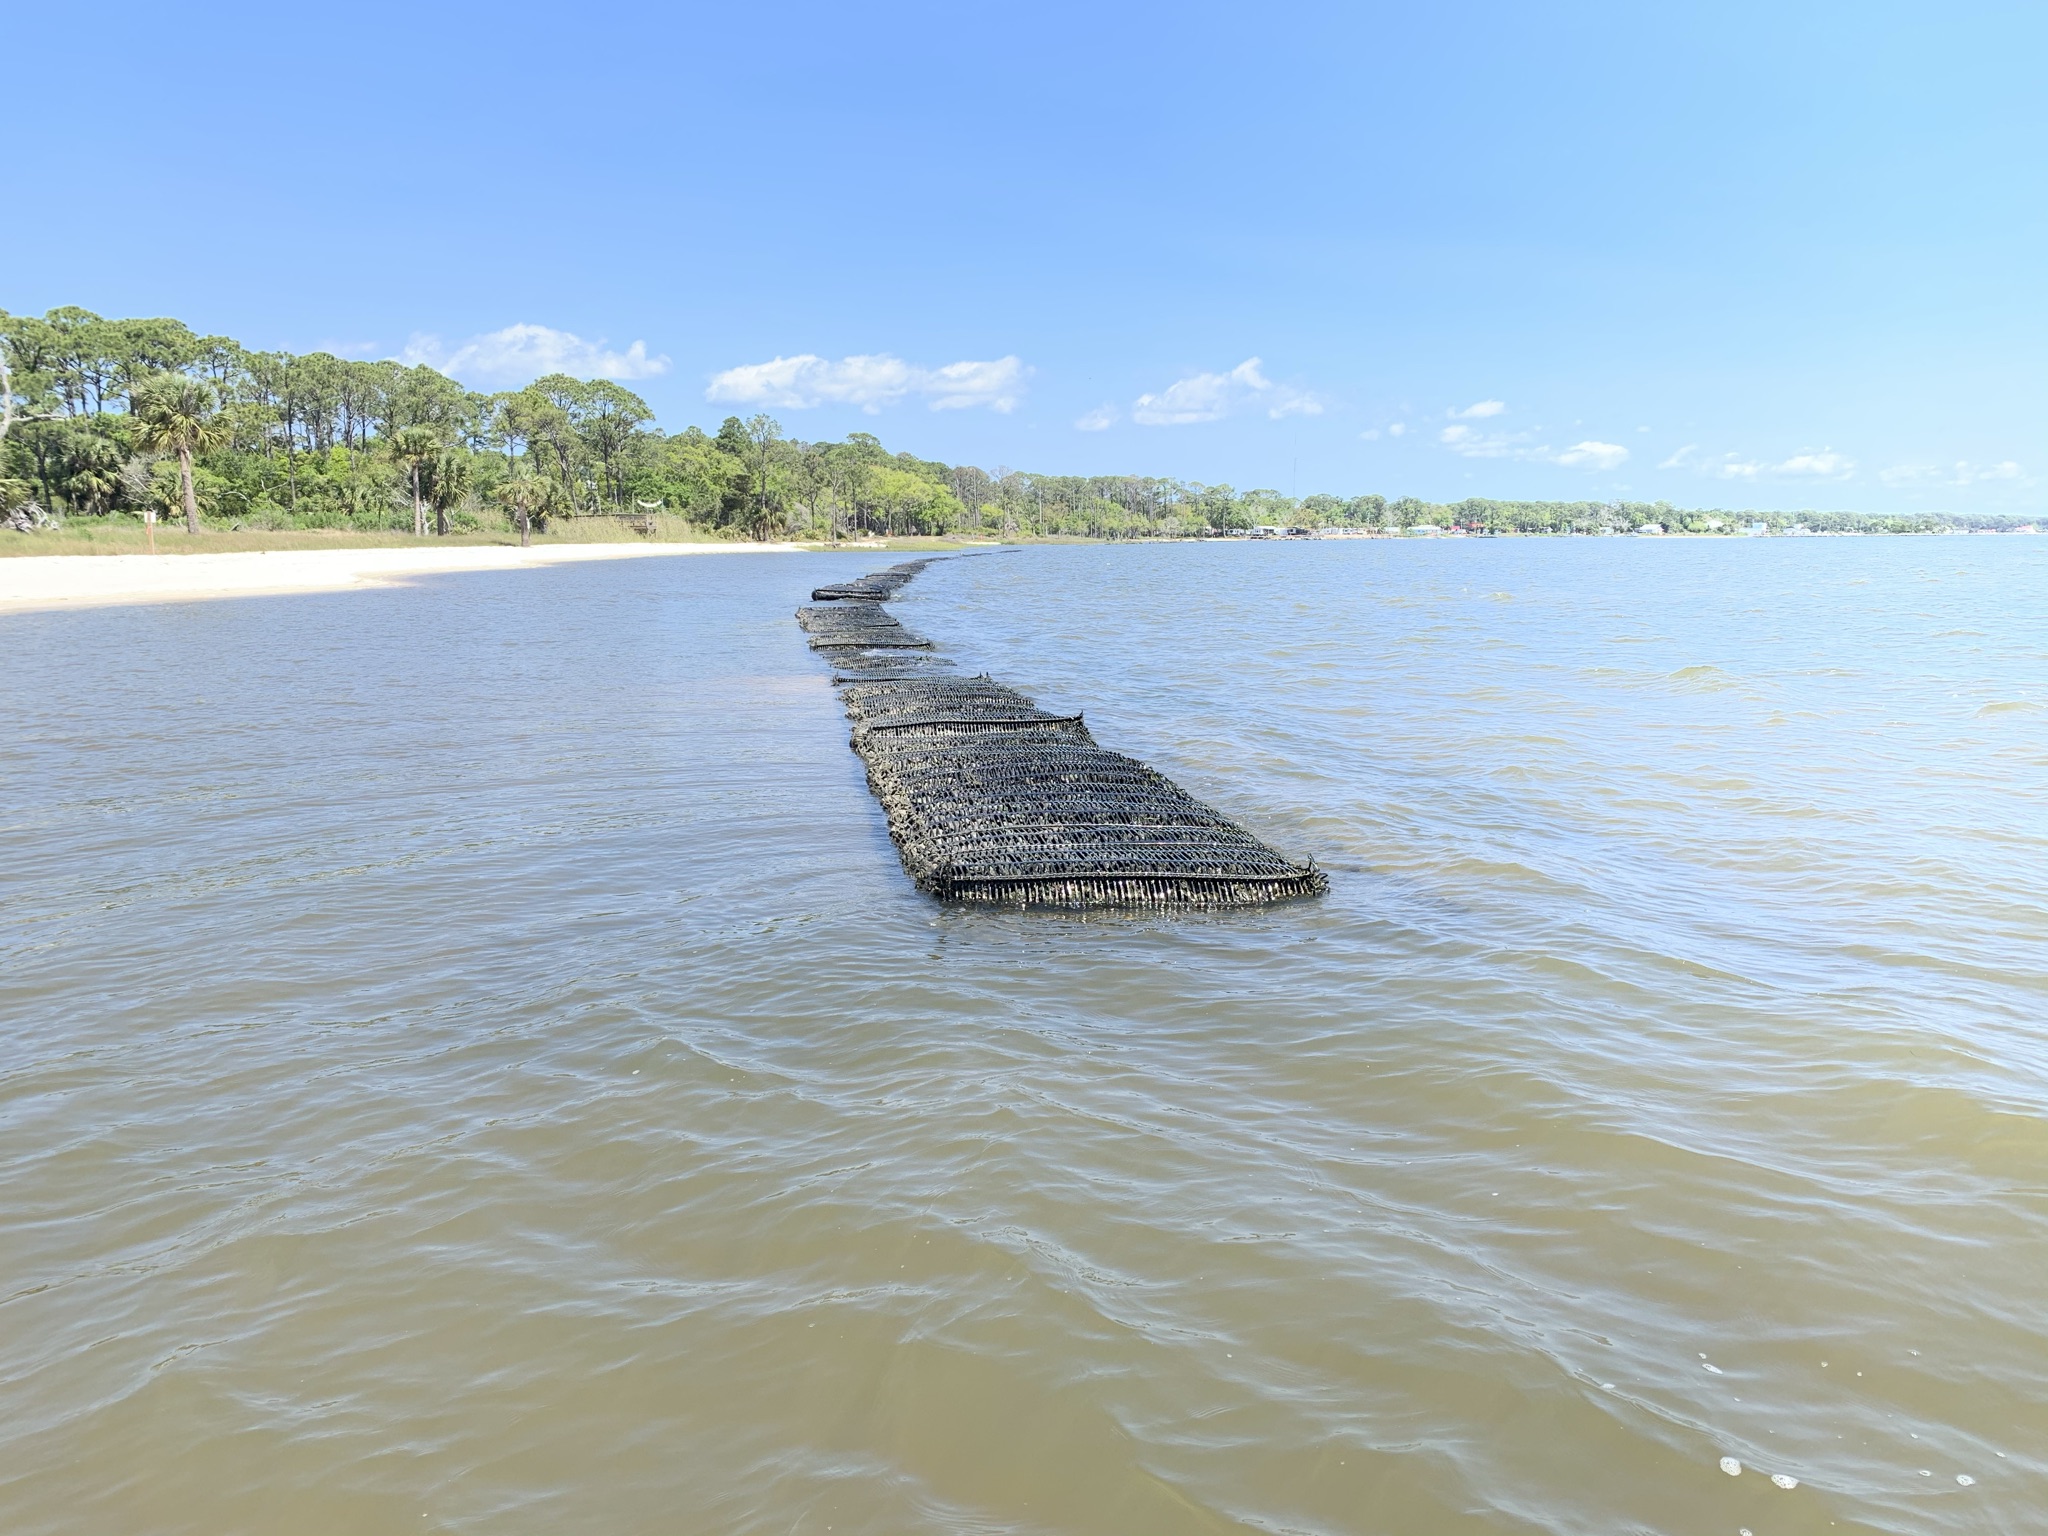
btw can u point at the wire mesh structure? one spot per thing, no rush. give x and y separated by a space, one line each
991 799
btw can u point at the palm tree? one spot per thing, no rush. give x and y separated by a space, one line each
176 414
92 472
447 482
415 448
524 494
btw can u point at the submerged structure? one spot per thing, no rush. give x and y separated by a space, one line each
991 799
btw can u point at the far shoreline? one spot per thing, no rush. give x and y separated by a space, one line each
280 564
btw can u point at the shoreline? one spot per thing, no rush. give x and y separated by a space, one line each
39 583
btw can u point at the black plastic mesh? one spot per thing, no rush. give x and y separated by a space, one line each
880 585
992 799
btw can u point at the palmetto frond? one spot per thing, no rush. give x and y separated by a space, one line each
174 413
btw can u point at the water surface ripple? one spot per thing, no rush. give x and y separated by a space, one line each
473 1063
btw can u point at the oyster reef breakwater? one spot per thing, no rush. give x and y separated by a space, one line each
992 799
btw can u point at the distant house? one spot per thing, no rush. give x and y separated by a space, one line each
1650 528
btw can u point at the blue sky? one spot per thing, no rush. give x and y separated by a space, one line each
1732 255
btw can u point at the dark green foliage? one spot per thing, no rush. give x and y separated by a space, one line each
327 442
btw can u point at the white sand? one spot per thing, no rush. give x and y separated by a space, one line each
78 581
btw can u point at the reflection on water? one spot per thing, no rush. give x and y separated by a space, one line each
472 1062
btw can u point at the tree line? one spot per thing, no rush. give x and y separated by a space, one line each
145 417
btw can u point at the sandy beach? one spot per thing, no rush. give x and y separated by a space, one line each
77 581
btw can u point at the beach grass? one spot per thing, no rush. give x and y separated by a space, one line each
123 536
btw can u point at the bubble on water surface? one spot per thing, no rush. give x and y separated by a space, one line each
1784 1481
1731 1466
1966 1480
1712 1367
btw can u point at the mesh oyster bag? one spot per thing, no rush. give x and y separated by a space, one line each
993 800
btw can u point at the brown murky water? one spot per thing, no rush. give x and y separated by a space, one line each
471 1062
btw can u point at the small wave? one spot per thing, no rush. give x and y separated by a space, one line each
1703 678
2009 707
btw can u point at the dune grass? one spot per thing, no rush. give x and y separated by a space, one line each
123 536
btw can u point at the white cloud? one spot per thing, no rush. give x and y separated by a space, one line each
1097 420
520 353
1962 472
1398 429
1477 410
870 381
1211 396
1472 444
1371 434
996 384
1294 402
1592 455
1826 465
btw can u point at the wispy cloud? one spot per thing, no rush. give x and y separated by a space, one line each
1212 396
520 353
1728 466
1826 464
1962 472
1592 455
1478 410
1100 419
1473 444
870 381
1398 429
